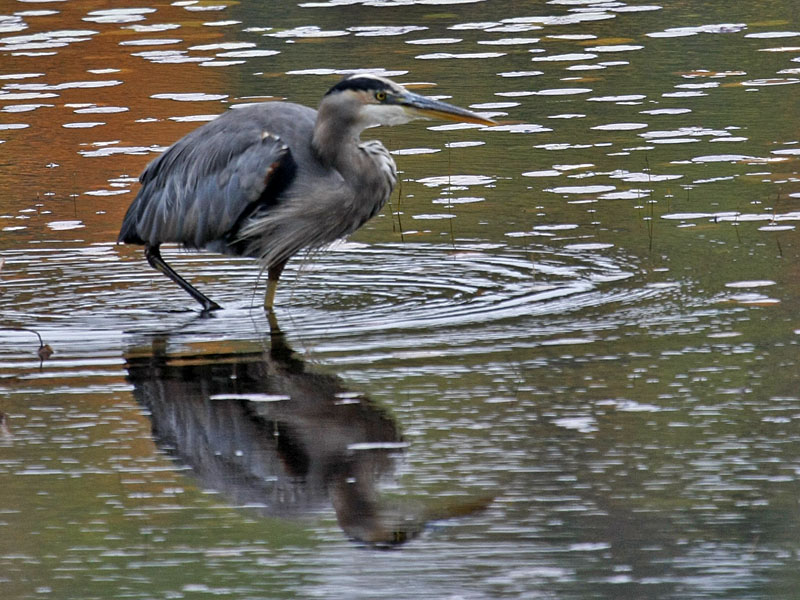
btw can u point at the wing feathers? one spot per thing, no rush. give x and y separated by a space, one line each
203 187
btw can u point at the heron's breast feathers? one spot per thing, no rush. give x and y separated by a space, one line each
316 211
378 153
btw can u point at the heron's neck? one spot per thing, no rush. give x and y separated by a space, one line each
335 146
337 134
367 168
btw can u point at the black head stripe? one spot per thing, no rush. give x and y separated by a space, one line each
360 84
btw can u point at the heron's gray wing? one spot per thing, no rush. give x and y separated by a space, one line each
203 187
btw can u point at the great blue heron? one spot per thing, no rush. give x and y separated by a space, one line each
268 180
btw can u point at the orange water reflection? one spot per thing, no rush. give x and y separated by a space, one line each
81 117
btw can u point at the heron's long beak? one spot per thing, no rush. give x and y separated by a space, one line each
428 108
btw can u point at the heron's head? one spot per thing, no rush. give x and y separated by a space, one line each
373 100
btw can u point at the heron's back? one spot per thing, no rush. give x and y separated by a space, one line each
198 191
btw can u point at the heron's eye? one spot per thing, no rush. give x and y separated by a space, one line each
380 96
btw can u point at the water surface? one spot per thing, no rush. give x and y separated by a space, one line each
562 363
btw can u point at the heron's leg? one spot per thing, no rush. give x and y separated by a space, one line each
273 274
153 255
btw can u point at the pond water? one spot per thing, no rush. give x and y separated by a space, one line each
562 363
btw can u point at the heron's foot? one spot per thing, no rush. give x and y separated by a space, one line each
209 305
272 320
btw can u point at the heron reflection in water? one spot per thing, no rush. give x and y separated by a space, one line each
271 179
267 432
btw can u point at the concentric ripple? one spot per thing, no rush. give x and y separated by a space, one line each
384 298
401 287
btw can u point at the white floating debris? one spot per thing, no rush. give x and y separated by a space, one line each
456 180
563 91
754 299
111 150
101 110
190 97
465 144
308 31
520 128
18 108
581 189
666 111
151 42
620 126
642 8
377 446
384 30
769 82
434 41
776 228
688 94
732 158
573 57
686 216
466 55
247 53
65 225
675 140
83 125
411 151
194 118
433 217
223 46
573 167
750 284
642 177
773 34
624 98
221 63
581 424
26 96
626 195
460 200
615 48
521 73
106 192
118 15
493 105
589 246
221 23
630 406
687 31
544 173
509 41
152 28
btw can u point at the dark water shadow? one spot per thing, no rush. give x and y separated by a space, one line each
272 434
